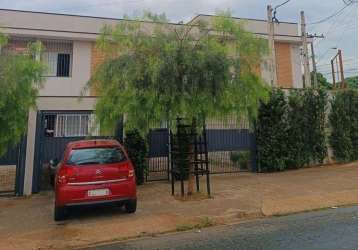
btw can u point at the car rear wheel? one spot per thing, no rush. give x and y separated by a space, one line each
60 213
131 206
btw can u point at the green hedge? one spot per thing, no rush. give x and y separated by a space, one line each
272 133
136 148
344 124
290 131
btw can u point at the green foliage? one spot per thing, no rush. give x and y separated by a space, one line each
291 134
315 103
272 133
182 152
241 159
20 78
296 148
136 148
306 134
322 81
344 124
3 40
352 82
156 71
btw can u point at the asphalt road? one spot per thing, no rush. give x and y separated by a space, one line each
326 229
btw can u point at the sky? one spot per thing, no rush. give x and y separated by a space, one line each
340 31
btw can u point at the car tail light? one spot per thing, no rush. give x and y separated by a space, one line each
64 174
131 173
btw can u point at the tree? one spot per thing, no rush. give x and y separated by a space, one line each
322 81
344 125
157 71
352 82
20 78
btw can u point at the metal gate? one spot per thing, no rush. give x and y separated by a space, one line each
158 155
12 170
49 147
223 144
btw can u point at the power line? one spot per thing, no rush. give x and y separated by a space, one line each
334 26
331 16
282 4
349 59
274 18
349 1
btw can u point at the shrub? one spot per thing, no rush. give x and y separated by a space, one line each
297 155
136 148
291 134
241 159
315 103
271 133
306 122
344 124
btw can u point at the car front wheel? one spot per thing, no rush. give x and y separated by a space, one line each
131 206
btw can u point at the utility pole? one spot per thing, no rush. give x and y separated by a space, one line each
343 82
340 71
333 74
306 66
314 66
271 43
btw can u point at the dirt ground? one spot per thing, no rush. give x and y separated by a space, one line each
26 223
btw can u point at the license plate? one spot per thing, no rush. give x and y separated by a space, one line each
98 192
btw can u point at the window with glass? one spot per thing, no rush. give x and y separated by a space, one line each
71 125
87 156
57 56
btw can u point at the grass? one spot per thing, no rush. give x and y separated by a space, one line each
204 222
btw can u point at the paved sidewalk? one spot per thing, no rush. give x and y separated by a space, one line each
26 223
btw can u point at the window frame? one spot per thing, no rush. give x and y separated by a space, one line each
57 47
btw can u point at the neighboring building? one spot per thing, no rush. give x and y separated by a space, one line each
71 58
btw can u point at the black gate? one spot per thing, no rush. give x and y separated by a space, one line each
225 144
158 159
12 170
49 147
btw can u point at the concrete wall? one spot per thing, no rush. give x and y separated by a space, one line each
284 65
53 22
85 28
81 72
296 63
289 66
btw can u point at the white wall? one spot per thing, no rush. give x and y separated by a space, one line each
265 73
81 72
296 66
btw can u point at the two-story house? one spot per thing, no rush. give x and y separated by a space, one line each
71 57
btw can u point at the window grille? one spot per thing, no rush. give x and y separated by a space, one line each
57 55
73 125
16 45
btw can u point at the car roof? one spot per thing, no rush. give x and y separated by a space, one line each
93 143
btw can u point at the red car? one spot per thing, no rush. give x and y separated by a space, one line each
93 172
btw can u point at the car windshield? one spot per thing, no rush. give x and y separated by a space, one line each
87 156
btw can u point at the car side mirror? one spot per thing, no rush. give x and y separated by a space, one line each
53 162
